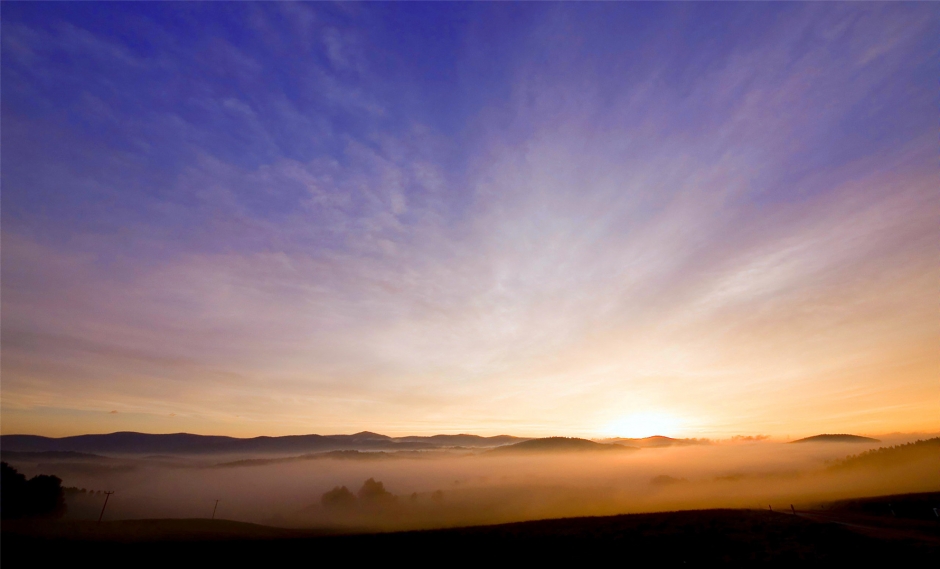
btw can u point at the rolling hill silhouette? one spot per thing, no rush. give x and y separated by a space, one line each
52 455
463 440
559 444
655 441
892 456
684 538
334 454
841 438
185 443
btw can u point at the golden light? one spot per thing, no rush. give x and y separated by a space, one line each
639 425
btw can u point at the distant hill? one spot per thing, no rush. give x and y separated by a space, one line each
656 441
185 443
471 441
892 456
558 444
837 439
50 455
333 454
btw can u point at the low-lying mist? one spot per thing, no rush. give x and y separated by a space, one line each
462 487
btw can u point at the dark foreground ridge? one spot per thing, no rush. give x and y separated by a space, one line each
724 537
841 438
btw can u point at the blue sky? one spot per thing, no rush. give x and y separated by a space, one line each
530 218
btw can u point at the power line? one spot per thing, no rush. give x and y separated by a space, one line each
106 496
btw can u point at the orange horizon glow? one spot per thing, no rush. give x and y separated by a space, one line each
595 234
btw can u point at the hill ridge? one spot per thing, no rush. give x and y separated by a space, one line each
130 442
559 444
836 438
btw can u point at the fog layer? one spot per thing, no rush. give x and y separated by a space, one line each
452 488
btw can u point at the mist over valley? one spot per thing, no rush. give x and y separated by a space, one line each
430 482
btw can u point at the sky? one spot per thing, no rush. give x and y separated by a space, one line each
698 220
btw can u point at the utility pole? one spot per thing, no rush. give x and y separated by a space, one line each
106 496
215 508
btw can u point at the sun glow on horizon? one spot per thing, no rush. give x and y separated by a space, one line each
527 220
640 425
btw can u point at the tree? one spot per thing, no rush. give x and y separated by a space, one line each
338 497
39 497
373 492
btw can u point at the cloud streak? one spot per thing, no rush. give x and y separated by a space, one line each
738 233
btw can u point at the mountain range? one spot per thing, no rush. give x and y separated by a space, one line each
185 443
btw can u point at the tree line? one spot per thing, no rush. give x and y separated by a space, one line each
41 496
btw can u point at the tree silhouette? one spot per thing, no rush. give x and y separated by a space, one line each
39 497
337 498
373 492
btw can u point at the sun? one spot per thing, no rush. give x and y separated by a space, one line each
639 425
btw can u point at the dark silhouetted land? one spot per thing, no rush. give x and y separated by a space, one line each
840 438
51 455
41 496
185 443
891 456
333 454
703 537
899 506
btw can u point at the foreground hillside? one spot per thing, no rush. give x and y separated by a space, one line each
891 456
710 537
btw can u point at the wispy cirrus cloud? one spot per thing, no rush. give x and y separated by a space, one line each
683 225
